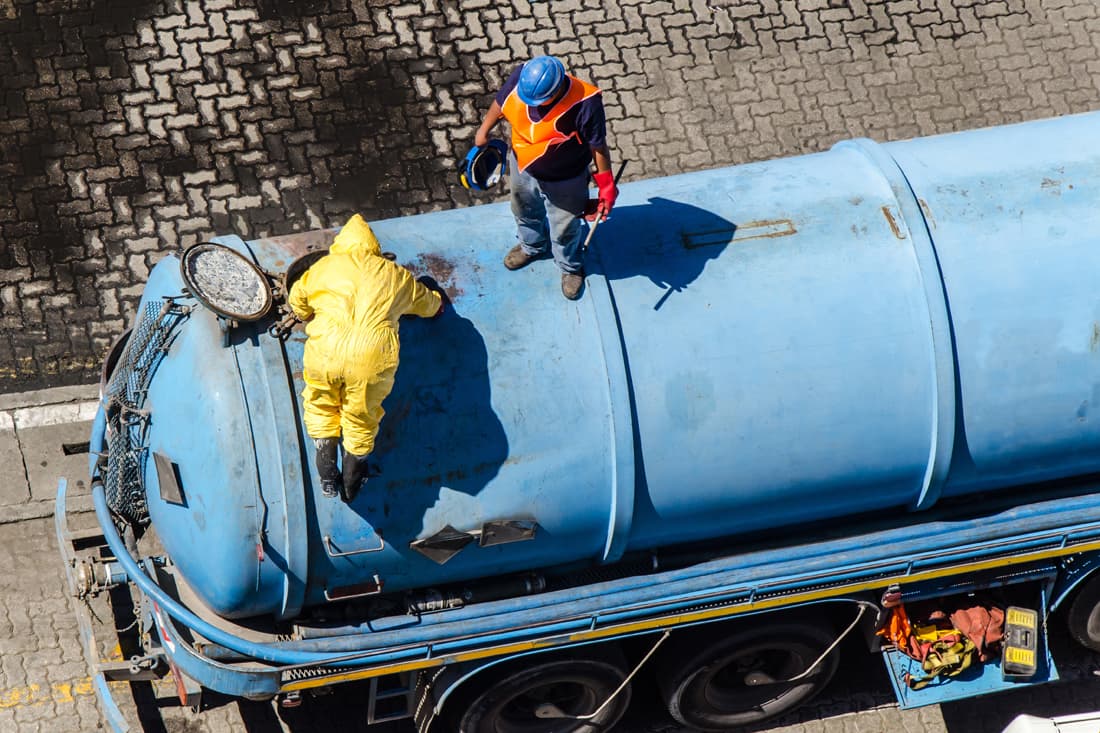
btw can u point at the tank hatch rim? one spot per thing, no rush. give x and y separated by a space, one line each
226 307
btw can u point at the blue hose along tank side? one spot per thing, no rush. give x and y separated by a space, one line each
758 346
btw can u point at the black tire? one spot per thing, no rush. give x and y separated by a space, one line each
1083 615
713 683
510 700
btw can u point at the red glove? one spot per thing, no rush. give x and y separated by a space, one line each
608 191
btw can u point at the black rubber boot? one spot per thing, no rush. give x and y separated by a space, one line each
326 466
355 475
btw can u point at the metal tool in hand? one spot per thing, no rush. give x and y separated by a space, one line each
600 216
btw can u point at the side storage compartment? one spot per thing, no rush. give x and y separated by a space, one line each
964 644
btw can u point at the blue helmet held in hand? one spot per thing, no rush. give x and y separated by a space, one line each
483 166
540 80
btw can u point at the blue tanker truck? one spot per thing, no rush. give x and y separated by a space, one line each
794 394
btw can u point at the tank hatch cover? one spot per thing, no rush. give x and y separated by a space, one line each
225 282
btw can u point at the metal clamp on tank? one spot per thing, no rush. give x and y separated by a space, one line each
93 576
287 320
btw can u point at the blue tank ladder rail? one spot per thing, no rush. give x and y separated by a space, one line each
794 588
680 591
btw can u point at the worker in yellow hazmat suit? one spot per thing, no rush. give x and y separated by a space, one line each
352 299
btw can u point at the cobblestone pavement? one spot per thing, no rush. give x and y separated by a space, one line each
130 128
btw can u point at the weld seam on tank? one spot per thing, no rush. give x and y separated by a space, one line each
621 419
260 504
943 423
295 554
295 550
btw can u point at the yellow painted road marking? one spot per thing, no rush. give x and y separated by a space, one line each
63 692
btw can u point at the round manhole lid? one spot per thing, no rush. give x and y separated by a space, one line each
225 282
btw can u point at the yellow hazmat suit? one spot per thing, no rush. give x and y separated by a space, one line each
352 299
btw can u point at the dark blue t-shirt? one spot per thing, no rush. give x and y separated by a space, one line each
570 158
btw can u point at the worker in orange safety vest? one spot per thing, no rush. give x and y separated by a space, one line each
558 128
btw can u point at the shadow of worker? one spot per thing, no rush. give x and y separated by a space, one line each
439 429
669 242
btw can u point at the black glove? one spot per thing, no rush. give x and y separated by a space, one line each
429 282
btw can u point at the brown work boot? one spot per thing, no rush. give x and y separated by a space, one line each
572 283
517 258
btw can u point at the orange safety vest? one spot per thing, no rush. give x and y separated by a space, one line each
530 139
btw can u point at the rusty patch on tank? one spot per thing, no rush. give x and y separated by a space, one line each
1053 185
438 268
886 212
927 213
759 229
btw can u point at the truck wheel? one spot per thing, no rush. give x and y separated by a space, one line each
1083 616
715 684
542 696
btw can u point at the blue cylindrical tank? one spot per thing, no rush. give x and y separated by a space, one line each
865 329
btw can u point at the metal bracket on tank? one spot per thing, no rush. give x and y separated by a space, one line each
359 590
504 531
448 542
333 552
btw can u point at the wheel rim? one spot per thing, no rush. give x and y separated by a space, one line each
748 681
742 679
1093 625
546 698
541 706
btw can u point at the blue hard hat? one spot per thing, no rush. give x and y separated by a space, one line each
483 166
540 80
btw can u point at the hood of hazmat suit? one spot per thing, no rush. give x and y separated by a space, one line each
351 300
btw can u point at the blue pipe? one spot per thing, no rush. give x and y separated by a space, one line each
350 649
177 610
752 570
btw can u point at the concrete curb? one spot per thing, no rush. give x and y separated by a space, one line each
41 509
55 396
42 434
